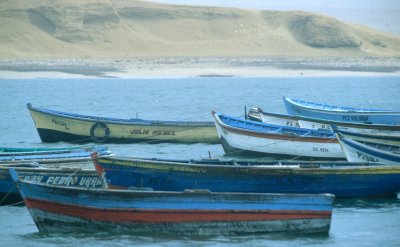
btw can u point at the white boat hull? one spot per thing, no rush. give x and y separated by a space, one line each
280 144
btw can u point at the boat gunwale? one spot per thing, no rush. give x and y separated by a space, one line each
120 121
158 192
278 165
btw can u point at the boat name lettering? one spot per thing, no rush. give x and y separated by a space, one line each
139 131
163 133
90 182
299 180
367 157
60 123
62 180
355 118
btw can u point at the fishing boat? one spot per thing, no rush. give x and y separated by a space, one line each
55 126
52 156
240 137
55 208
297 107
341 178
8 150
381 133
358 151
34 172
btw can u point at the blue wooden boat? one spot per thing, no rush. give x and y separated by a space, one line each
240 136
67 209
344 179
34 172
55 126
365 151
380 133
342 114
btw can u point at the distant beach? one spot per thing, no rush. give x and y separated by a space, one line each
197 67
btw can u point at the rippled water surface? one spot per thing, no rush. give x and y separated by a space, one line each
357 222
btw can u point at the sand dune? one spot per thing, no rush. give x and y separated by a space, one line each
132 29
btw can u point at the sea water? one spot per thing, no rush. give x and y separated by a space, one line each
355 222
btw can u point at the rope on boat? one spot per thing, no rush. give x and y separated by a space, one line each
15 204
8 193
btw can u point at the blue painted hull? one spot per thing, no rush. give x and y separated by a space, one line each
341 179
79 178
67 209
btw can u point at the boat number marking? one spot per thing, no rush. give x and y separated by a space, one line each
324 150
355 118
293 124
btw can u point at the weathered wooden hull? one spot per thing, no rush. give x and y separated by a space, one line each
68 177
358 152
237 140
54 126
342 114
343 179
56 209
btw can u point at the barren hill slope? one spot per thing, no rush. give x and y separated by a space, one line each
128 29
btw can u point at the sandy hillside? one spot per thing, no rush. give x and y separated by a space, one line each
131 29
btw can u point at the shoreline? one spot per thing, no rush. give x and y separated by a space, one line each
197 67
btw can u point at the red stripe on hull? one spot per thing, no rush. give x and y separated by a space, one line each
171 215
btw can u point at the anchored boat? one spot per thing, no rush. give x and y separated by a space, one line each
55 126
240 136
341 178
297 107
190 212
